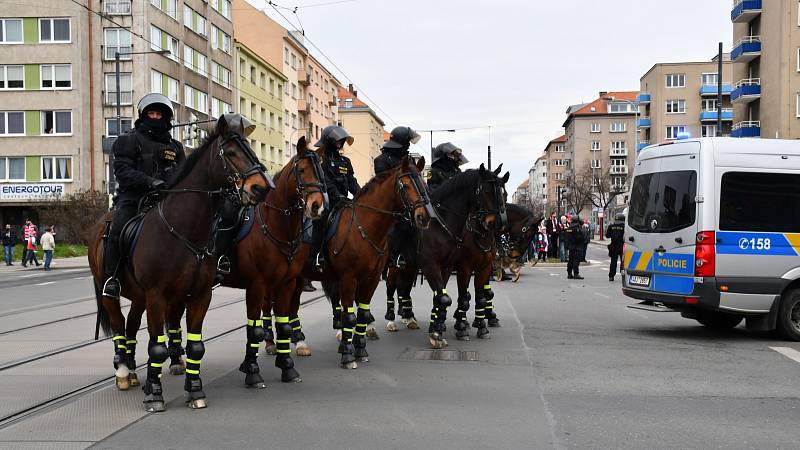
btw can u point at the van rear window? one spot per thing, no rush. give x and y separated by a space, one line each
768 202
663 202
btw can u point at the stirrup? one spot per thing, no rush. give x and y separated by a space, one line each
400 262
111 288
318 262
224 265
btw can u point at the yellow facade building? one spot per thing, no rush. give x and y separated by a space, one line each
366 127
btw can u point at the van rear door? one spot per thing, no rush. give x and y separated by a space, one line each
662 218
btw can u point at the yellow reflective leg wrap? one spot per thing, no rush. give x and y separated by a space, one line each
281 319
295 322
487 286
479 313
363 306
351 310
161 339
194 337
119 342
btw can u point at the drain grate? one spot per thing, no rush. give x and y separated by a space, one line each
445 355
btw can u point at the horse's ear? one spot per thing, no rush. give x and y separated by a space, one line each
506 177
302 145
482 168
499 168
222 126
421 164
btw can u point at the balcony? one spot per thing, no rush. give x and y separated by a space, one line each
643 98
750 128
619 170
710 90
745 10
710 115
642 144
746 91
643 122
618 152
332 101
302 106
747 49
303 78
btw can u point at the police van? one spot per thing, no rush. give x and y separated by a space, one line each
713 231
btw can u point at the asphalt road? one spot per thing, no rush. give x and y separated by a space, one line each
571 367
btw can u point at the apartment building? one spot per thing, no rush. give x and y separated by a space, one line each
366 127
46 149
521 196
681 99
555 163
766 51
602 135
537 184
259 88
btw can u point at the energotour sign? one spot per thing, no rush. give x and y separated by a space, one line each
31 191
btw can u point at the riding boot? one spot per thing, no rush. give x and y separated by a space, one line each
111 257
315 255
308 287
224 242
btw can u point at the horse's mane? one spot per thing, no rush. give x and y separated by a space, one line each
374 181
457 184
519 210
188 164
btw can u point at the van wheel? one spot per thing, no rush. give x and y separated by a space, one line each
789 316
718 320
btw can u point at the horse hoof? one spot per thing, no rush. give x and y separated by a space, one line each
434 342
155 407
412 324
372 333
259 385
338 335
484 334
134 379
444 342
271 349
463 338
198 403
123 383
391 327
363 359
494 323
350 366
302 349
177 369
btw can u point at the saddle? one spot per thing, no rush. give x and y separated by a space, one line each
244 222
129 235
332 224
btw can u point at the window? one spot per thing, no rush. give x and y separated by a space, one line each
56 122
709 131
56 76
223 7
54 30
195 99
125 89
10 31
618 145
118 40
621 108
220 74
262 80
618 162
111 126
12 77
595 164
12 169
272 87
194 21
617 182
12 123
117 7
560 148
195 60
665 202
676 106
674 131
559 162
760 202
218 107
170 87
253 74
708 105
57 168
617 127
272 120
676 80
169 7
558 176
595 146
158 38
595 128
709 79
220 40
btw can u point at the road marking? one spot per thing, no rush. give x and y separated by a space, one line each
602 295
45 283
555 274
31 275
788 352
82 278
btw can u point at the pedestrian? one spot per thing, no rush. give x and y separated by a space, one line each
31 247
48 245
616 232
562 244
574 241
587 233
553 227
542 242
9 241
26 235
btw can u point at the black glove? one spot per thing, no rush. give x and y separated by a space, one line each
157 184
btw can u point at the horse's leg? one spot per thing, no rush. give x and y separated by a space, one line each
461 326
435 331
177 365
269 334
407 278
156 351
255 334
132 326
347 291
481 280
298 337
196 309
364 317
485 279
283 329
444 302
117 322
391 287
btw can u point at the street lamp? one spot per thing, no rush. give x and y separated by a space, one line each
436 131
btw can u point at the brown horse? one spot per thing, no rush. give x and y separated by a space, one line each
171 264
270 257
357 252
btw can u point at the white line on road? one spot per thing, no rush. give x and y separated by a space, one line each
31 275
45 283
555 274
788 352
82 278
602 295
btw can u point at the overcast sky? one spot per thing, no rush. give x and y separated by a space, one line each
516 65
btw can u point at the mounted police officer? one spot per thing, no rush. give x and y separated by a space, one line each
339 179
615 232
574 240
446 159
392 154
143 159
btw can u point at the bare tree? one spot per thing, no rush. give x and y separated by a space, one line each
603 189
578 192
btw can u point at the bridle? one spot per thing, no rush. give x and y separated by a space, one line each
234 176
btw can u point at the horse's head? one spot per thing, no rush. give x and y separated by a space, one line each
308 179
240 165
413 191
521 228
491 197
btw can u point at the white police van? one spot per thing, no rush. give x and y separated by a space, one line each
713 231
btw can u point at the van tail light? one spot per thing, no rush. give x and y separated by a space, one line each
705 254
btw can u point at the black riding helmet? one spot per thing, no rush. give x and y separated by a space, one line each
333 134
444 150
401 138
156 101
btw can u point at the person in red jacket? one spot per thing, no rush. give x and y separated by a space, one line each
31 240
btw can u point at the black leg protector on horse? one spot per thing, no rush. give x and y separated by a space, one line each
441 315
389 309
346 348
130 353
174 347
153 394
120 351
249 367
267 322
194 354
283 359
461 326
407 307
297 329
480 316
363 319
337 316
491 316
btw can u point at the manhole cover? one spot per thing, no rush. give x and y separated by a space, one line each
445 355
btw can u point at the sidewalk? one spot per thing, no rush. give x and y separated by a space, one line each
78 262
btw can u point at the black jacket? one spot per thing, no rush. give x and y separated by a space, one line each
615 232
548 224
441 171
389 159
9 237
339 176
574 236
141 157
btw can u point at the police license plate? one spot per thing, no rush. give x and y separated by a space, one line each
638 280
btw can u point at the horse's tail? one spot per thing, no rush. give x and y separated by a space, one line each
103 320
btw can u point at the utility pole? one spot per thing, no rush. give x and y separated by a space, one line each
719 91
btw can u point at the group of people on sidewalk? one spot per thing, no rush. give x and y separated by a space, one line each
30 241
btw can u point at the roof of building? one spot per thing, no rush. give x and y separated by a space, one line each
348 93
726 60
523 185
598 106
560 139
386 135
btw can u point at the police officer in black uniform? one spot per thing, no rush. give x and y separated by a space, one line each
615 232
339 179
143 159
392 154
574 239
446 159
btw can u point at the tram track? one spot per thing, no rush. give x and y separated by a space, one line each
42 406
